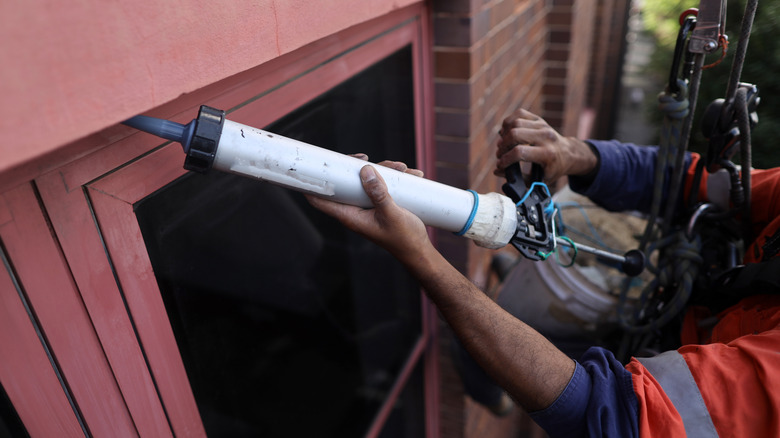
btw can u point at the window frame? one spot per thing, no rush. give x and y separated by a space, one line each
90 204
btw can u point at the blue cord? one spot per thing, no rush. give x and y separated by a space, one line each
595 234
593 237
547 210
471 216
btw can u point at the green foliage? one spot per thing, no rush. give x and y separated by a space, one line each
661 18
762 67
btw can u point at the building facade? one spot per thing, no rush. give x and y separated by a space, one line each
140 299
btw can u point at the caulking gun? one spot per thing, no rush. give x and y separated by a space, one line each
492 220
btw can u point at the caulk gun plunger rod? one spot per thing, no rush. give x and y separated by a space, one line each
591 250
632 263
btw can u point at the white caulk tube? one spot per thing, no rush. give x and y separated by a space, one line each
243 150
490 219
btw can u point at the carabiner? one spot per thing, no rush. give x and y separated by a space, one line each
688 23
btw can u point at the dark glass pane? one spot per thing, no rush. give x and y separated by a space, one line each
10 424
289 324
407 419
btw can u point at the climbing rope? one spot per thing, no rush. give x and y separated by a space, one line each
668 293
675 107
679 262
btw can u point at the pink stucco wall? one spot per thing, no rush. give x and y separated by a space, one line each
72 68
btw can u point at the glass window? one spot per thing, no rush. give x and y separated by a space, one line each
288 324
407 416
10 424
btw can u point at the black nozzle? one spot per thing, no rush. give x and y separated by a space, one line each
164 128
199 138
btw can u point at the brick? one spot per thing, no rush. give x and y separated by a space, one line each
481 25
454 151
553 105
453 94
479 58
553 89
556 72
560 53
559 18
501 11
453 65
452 31
452 124
452 175
479 85
560 36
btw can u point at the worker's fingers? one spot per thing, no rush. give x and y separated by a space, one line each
519 118
387 224
343 212
360 156
525 135
375 186
526 155
396 165
523 154
358 219
525 169
401 167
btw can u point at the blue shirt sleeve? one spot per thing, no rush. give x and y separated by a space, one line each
599 401
625 177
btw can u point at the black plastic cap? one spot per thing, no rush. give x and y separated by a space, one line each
203 147
635 263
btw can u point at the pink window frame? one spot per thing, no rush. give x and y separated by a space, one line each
90 203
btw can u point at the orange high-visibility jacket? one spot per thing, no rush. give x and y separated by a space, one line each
723 382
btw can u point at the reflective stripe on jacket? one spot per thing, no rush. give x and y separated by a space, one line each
737 377
670 403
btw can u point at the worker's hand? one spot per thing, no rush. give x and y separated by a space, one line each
396 229
527 138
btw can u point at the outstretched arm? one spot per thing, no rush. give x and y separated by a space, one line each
520 359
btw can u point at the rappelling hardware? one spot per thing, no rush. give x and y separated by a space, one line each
720 126
691 254
710 26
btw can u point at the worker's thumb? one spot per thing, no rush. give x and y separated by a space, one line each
375 186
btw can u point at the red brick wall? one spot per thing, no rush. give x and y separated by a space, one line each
570 24
490 58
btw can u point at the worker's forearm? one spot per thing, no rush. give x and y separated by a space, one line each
520 359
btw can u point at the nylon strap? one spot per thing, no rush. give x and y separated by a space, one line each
671 371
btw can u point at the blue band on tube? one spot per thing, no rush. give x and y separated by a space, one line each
471 216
